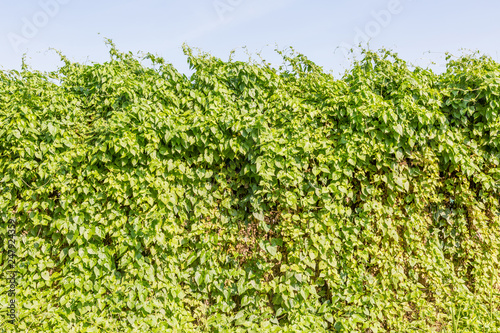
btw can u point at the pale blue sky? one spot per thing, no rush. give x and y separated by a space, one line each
320 29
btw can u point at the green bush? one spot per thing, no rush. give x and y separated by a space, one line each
252 198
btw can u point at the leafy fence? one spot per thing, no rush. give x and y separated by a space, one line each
253 198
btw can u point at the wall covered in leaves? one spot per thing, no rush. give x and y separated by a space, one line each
250 198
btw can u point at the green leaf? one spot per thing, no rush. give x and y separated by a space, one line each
45 275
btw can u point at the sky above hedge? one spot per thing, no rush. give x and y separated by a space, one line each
324 30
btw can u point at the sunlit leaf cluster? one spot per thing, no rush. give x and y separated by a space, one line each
250 198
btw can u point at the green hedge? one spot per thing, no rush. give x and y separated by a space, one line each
250 198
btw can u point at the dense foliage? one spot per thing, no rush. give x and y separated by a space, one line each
246 197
